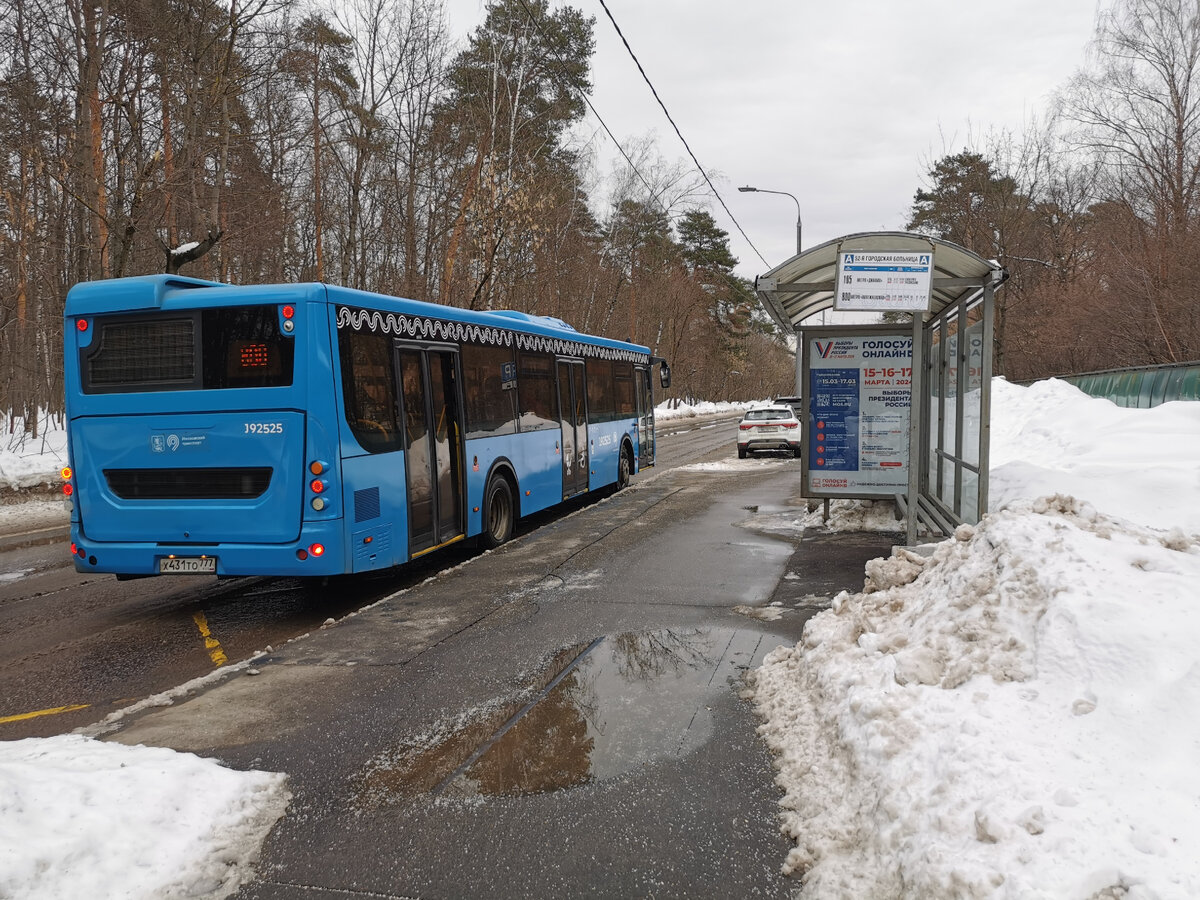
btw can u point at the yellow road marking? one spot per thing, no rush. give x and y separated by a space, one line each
43 712
211 644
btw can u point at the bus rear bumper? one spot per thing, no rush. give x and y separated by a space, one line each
318 551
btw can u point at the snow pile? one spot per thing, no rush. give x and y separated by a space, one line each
668 410
184 826
854 515
26 461
739 466
1141 464
1011 716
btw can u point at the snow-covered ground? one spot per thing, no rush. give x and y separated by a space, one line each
84 819
30 466
27 461
1010 716
665 411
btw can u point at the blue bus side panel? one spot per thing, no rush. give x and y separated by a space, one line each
376 510
481 454
605 444
181 442
536 458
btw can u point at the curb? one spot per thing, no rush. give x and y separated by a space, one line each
35 538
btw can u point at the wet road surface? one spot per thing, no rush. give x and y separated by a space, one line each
560 717
75 647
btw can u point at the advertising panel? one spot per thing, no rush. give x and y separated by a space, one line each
884 280
856 431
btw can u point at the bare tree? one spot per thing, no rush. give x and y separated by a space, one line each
1136 107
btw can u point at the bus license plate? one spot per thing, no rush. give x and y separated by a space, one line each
188 565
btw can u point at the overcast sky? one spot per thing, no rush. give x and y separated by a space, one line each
844 105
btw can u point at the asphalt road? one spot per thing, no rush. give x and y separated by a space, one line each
76 647
560 717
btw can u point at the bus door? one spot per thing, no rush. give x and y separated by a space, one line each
433 444
645 416
572 414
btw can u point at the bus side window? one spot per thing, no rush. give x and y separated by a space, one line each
623 379
536 392
369 390
601 400
491 408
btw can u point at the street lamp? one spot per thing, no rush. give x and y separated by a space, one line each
753 190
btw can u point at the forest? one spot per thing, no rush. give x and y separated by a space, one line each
1095 209
258 141
255 141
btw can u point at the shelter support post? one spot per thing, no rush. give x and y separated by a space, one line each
985 391
915 418
799 392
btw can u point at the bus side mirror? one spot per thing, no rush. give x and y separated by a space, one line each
664 375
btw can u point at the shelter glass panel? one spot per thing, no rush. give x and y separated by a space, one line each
948 438
972 401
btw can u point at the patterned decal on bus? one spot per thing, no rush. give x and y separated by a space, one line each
425 328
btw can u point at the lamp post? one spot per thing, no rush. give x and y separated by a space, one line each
747 189
753 190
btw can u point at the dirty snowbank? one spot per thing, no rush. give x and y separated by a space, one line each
184 826
1011 717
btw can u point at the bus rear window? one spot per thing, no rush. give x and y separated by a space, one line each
209 349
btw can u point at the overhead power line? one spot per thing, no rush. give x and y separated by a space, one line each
583 94
667 113
632 165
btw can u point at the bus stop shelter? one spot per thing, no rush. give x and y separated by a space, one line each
949 391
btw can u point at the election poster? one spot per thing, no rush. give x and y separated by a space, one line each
856 433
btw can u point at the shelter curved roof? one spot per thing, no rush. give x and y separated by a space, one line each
803 285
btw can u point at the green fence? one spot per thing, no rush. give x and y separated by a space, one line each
1142 387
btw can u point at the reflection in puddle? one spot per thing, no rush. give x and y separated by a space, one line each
601 710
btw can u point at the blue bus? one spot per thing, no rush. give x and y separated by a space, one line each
308 429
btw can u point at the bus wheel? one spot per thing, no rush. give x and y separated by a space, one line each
497 513
624 468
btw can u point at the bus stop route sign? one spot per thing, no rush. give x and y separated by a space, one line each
884 280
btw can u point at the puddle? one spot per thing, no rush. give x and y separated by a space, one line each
601 710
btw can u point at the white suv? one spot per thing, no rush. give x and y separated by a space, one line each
768 428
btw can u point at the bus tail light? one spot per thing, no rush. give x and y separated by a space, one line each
68 487
81 324
318 485
316 549
288 312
